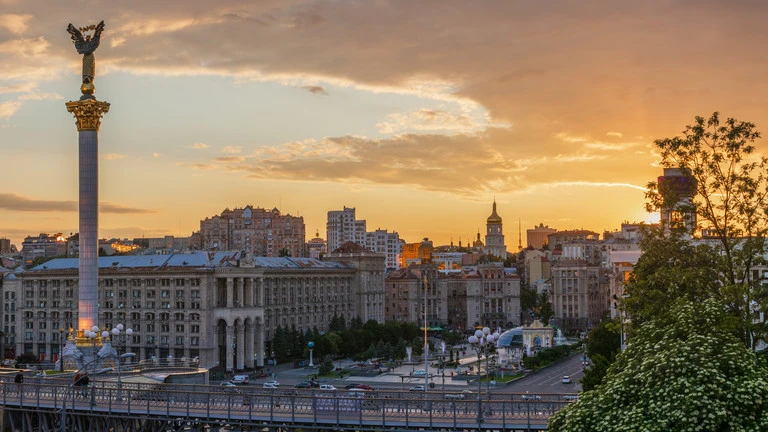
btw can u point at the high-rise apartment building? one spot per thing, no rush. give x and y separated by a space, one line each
5 245
342 227
537 237
43 246
256 231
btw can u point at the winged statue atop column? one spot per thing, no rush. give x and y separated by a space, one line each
86 45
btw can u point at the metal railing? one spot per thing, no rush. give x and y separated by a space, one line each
252 405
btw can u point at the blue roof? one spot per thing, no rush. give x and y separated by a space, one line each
199 259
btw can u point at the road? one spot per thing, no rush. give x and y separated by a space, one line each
549 380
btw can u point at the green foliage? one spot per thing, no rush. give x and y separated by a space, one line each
326 367
603 344
547 356
545 310
27 358
730 181
670 268
682 371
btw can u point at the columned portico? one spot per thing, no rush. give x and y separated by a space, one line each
240 345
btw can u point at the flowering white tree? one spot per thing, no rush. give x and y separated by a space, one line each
685 371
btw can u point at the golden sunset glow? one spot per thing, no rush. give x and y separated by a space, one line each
416 113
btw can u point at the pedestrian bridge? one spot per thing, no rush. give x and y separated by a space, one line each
50 405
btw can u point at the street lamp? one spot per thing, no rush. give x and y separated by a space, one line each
116 333
310 345
483 343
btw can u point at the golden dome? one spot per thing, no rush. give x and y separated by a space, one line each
494 218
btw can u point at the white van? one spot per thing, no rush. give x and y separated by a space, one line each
240 379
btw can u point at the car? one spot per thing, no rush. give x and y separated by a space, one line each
274 383
417 388
419 372
303 385
240 379
270 385
227 384
531 397
365 387
351 386
327 387
467 392
454 396
566 379
571 397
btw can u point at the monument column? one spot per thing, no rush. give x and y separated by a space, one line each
88 114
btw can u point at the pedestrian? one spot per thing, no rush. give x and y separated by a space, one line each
19 380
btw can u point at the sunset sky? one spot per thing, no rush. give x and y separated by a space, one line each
417 113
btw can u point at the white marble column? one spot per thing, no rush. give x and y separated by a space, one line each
241 344
230 340
250 342
259 344
229 293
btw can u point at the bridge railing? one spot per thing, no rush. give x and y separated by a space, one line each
254 404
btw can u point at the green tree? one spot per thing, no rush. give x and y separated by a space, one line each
731 202
545 310
670 267
281 344
683 371
603 344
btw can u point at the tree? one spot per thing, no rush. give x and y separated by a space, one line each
603 344
718 160
671 267
283 252
683 371
545 310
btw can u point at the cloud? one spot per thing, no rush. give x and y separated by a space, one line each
314 89
156 155
202 166
232 149
9 108
199 145
14 202
463 164
114 156
428 120
106 207
16 24
616 134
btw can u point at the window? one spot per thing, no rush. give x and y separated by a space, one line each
194 341
165 293
179 340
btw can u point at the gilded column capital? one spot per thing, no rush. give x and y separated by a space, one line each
88 113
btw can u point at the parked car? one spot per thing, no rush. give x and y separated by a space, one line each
240 379
566 379
417 388
327 387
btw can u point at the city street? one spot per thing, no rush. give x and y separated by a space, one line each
549 380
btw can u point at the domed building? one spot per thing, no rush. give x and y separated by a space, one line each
494 235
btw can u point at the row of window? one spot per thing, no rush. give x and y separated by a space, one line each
114 282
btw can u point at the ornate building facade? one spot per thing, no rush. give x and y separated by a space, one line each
256 231
220 307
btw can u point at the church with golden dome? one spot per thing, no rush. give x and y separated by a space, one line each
494 235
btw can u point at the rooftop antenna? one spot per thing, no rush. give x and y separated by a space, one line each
519 235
